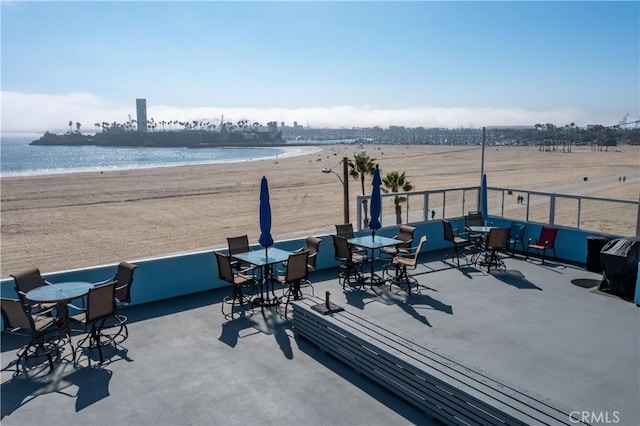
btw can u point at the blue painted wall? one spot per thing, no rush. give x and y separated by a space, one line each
172 276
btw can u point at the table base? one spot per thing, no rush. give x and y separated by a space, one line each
373 280
265 302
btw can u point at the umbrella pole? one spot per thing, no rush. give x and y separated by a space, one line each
267 276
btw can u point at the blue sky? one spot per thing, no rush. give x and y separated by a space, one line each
328 64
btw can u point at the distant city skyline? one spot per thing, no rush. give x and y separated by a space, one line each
325 64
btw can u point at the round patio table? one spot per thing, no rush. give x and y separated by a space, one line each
61 294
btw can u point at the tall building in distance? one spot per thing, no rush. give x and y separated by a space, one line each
141 110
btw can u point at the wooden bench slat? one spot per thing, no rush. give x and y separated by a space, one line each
348 355
379 331
454 379
442 387
419 352
416 388
442 382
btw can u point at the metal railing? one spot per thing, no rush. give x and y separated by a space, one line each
602 215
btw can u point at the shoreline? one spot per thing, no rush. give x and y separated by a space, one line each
288 152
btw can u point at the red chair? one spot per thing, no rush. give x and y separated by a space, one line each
545 242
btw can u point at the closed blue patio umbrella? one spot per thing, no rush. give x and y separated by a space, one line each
483 199
376 202
265 240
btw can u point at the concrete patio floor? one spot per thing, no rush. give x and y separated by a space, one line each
530 327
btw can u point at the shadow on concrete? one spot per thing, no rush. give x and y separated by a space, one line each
91 385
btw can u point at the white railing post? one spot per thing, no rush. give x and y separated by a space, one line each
464 198
426 210
579 208
444 203
359 212
638 221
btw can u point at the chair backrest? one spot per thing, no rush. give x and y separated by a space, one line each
101 302
421 242
343 252
26 281
473 219
498 238
312 245
297 266
406 234
225 272
548 236
447 230
124 281
14 315
345 230
239 244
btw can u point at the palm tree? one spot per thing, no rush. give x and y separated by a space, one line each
362 166
394 182
551 128
573 133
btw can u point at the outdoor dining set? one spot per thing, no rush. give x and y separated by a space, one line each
52 314
257 274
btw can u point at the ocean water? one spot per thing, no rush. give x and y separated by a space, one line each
18 158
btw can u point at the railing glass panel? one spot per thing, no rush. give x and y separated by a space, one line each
566 213
602 215
609 217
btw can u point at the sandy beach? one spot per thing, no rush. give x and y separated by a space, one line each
66 221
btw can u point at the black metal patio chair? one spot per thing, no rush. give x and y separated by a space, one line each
39 327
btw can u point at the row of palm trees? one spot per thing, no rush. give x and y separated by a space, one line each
550 135
394 182
194 125
598 136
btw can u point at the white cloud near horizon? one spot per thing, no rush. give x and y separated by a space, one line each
37 113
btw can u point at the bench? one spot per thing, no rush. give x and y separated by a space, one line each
442 388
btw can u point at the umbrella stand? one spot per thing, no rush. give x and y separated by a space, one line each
376 203
266 240
267 277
